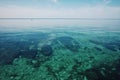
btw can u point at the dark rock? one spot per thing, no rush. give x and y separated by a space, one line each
69 43
95 42
14 45
119 48
94 74
28 54
111 72
110 47
46 50
85 48
7 57
104 72
97 48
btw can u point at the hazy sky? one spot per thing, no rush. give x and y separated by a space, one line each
59 8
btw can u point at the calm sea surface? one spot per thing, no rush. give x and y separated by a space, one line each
59 49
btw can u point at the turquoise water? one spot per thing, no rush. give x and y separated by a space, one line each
59 49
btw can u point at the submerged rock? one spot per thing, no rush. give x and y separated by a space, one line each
111 45
94 74
104 72
97 48
7 57
28 53
46 50
69 43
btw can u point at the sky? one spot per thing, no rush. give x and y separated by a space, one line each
60 9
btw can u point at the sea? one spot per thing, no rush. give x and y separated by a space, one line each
59 49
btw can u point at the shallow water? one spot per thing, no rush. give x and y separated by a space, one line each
59 49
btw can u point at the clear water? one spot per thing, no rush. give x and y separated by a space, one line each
59 49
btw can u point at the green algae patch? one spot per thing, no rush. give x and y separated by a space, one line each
60 56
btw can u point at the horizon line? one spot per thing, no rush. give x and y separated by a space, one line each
68 18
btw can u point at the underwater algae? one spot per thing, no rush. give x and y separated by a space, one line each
112 45
46 50
67 57
69 43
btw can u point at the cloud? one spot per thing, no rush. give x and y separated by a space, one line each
55 1
82 12
107 1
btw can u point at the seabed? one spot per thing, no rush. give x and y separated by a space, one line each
65 54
